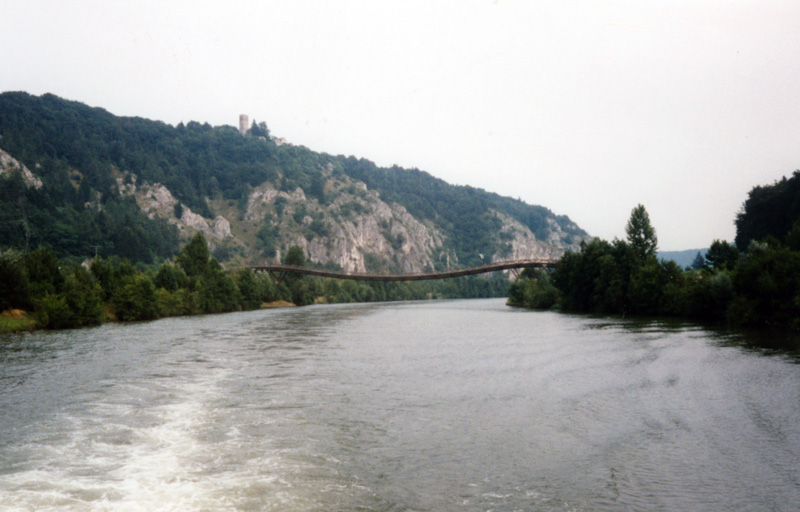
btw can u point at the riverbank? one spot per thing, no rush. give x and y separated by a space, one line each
16 320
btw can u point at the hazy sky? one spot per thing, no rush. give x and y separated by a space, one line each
587 108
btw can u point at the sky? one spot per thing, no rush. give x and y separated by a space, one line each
587 108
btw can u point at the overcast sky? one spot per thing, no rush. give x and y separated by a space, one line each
587 108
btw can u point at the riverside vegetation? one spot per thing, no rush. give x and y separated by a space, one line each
754 283
76 182
106 217
193 283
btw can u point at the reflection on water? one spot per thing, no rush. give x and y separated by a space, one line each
451 405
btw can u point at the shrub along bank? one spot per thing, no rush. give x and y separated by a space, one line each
759 287
193 283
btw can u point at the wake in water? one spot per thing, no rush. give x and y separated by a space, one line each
453 405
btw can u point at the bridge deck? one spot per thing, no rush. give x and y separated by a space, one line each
420 276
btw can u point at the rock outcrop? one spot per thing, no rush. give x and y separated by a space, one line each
10 165
156 200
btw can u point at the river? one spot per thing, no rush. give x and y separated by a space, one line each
426 406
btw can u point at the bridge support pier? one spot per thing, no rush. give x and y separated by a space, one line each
277 276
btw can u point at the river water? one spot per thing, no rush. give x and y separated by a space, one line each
427 406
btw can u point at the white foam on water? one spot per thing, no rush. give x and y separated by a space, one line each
128 457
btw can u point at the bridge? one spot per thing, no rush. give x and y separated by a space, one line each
278 272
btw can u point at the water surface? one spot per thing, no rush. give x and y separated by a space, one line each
427 406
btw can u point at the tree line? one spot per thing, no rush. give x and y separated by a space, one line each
63 296
757 285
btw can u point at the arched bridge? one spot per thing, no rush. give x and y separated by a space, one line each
279 271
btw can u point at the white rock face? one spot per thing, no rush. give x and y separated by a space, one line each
351 236
156 200
9 165
524 244
355 228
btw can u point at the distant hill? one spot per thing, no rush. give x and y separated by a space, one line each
682 258
84 181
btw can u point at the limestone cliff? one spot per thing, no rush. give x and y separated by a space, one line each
356 230
10 165
354 226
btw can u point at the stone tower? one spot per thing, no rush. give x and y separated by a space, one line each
244 123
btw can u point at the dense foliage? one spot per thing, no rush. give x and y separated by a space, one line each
759 287
81 153
769 211
62 296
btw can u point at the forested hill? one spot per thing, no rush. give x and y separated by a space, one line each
84 181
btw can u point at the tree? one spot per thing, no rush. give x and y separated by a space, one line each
769 210
171 278
248 288
14 284
295 256
539 292
722 255
280 204
767 287
641 234
84 297
267 236
194 256
259 129
699 262
43 272
317 187
135 299
218 292
298 287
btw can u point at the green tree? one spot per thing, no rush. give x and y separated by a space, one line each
641 234
14 284
280 204
109 273
699 262
259 129
540 292
171 278
53 312
194 257
299 288
610 286
248 288
766 284
218 292
267 236
722 255
317 187
84 297
135 299
44 272
295 256
769 210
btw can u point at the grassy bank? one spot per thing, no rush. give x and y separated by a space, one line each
14 320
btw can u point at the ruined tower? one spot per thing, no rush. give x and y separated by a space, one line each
244 123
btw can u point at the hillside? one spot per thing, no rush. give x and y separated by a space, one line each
682 258
83 182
